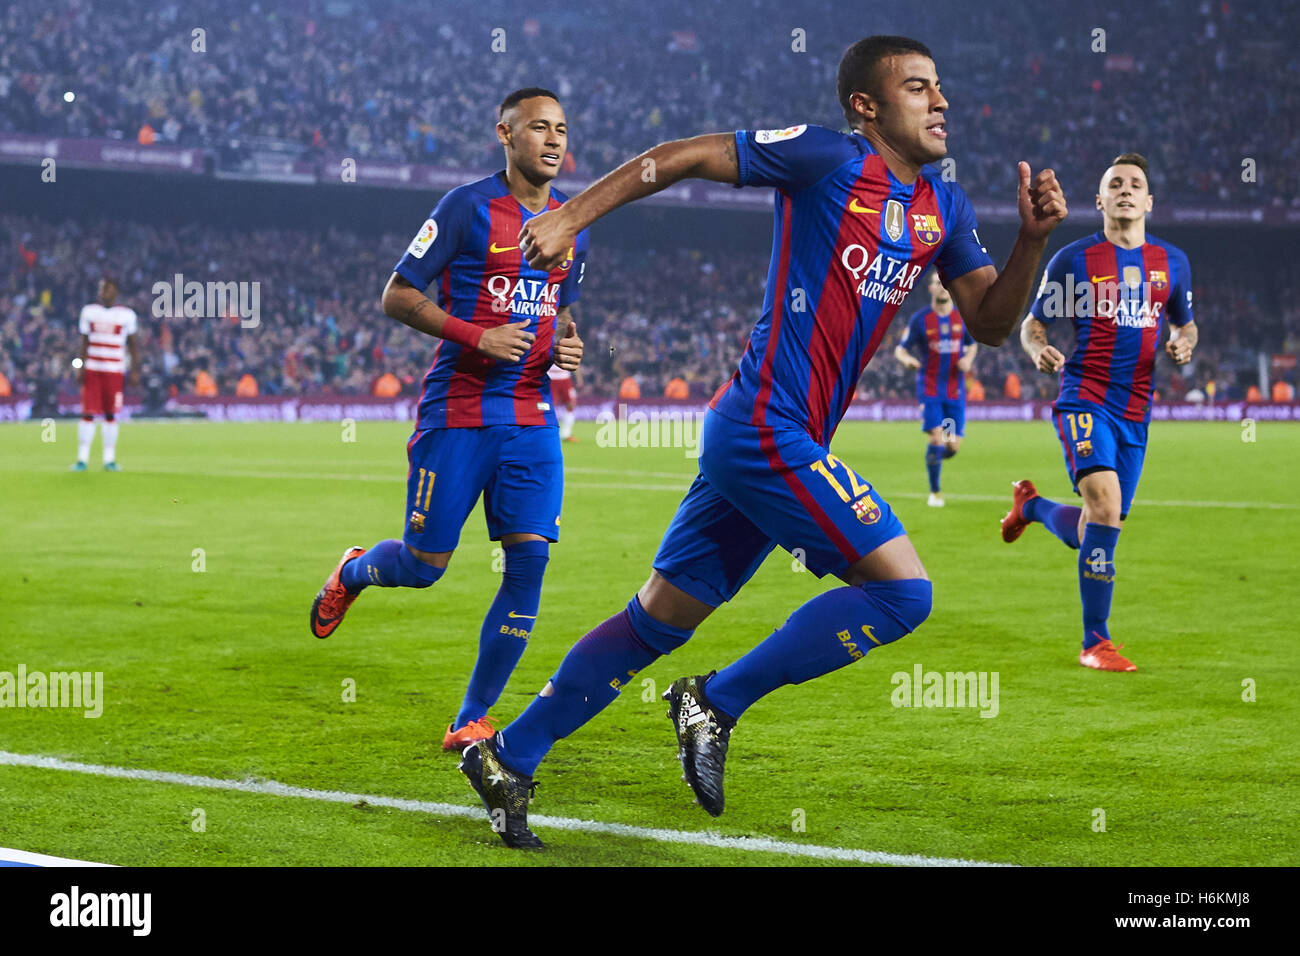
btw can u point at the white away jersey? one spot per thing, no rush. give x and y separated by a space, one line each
107 329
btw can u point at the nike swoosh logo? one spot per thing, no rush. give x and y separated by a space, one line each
855 206
495 248
1101 278
513 614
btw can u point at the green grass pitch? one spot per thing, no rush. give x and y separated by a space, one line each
214 672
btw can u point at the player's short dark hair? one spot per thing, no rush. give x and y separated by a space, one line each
518 96
1133 159
858 65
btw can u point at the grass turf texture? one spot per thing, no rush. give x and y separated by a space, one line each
215 673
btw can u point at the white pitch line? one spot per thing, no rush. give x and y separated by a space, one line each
686 479
40 859
272 788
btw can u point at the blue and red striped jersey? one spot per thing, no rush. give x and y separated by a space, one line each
1117 299
849 242
469 246
938 341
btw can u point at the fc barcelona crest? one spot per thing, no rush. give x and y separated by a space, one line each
416 523
568 259
1159 278
894 220
1083 448
868 511
926 228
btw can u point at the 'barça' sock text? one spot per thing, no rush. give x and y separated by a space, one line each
833 629
506 628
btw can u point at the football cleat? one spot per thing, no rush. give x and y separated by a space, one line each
703 735
505 794
572 439
471 733
1015 523
1103 656
112 466
935 500
333 600
77 466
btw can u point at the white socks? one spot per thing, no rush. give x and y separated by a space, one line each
110 442
85 435
566 422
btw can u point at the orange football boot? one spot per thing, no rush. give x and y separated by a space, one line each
333 600
1015 523
471 733
1105 657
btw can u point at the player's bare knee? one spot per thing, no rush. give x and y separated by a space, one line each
436 559
666 602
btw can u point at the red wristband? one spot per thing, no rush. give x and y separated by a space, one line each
461 332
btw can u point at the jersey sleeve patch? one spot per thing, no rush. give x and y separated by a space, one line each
423 239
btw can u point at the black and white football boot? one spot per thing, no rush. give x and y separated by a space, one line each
702 738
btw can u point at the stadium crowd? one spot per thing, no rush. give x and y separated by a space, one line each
647 317
384 79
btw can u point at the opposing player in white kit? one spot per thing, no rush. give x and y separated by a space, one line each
564 391
107 331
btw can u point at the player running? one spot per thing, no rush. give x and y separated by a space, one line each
858 220
1116 286
947 350
485 423
564 387
107 332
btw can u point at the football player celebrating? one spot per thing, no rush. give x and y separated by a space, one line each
857 221
485 422
1116 286
947 351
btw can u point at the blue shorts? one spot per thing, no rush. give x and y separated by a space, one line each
1095 440
517 468
760 487
936 411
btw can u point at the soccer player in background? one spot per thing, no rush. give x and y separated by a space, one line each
108 331
1116 286
857 221
564 387
485 423
947 351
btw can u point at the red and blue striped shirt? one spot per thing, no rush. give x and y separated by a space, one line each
938 341
469 246
850 242
1117 299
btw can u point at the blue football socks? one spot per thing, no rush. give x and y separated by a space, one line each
832 630
589 679
389 565
1097 580
933 463
506 628
1061 520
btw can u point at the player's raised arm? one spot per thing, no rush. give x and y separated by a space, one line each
546 239
992 302
408 305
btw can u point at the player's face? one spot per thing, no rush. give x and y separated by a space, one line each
1124 194
107 292
535 136
910 108
937 292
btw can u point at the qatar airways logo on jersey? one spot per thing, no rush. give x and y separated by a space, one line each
879 276
945 346
533 297
1129 304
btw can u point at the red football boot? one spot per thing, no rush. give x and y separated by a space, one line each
471 733
333 600
1104 657
1015 523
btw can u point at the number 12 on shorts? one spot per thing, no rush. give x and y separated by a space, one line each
859 486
